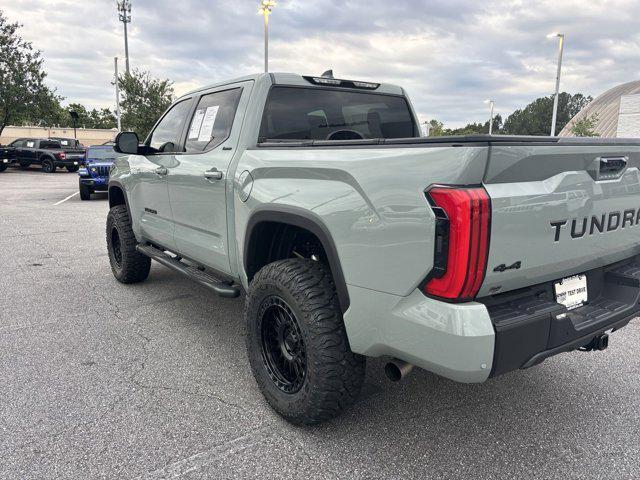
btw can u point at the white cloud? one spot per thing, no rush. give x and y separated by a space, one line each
448 55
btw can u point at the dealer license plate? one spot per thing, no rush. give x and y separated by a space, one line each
572 291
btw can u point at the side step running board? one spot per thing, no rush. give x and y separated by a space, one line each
198 276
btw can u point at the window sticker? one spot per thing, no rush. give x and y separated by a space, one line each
207 123
194 131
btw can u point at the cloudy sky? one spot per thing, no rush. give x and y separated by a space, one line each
449 54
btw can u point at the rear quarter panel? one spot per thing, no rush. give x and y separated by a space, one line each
371 200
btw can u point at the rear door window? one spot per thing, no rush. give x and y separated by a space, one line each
212 120
294 113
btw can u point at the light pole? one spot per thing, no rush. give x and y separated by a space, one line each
115 64
265 9
491 103
124 14
560 37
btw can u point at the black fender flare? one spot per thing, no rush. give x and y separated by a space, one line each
46 156
112 202
302 218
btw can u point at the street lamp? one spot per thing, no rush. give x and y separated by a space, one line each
265 9
560 37
491 103
124 14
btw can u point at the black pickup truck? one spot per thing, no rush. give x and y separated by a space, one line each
7 157
50 154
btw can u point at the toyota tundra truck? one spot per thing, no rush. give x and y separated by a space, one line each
353 237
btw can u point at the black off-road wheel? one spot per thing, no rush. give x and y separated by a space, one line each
3 167
72 168
48 166
24 165
85 192
127 264
297 344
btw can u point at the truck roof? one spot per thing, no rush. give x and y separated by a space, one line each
283 78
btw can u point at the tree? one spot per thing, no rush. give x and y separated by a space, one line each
586 127
144 99
437 129
23 94
535 118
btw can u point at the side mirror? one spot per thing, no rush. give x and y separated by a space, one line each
127 142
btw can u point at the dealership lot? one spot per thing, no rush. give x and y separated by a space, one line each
102 380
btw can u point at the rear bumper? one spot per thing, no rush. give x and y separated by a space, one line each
455 341
530 326
67 163
470 342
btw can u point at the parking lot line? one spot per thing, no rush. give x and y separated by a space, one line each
65 199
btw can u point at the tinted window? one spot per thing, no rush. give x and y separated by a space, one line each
170 128
17 143
212 121
324 114
50 144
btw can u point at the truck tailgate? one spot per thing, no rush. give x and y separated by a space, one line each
559 210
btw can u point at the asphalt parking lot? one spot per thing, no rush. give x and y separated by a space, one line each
102 380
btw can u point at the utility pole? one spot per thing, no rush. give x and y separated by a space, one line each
560 37
491 104
124 14
265 8
115 64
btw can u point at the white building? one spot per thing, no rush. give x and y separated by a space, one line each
618 111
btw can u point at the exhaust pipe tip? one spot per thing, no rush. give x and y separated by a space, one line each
396 369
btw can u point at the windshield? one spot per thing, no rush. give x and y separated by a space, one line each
294 113
101 154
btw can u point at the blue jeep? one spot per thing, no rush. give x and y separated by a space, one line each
94 175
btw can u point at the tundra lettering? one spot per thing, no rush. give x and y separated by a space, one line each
612 221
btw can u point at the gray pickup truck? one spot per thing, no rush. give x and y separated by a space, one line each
353 237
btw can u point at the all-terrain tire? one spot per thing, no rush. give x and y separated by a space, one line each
3 167
85 192
333 374
127 264
48 166
25 165
72 168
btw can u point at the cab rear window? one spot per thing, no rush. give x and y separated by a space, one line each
294 113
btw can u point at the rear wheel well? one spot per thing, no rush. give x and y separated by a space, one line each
270 241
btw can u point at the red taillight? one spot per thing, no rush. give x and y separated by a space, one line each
62 155
464 215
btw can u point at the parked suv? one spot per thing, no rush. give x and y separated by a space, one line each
94 175
48 153
353 237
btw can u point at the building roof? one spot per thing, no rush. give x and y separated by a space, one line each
607 107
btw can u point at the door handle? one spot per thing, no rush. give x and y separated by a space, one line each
161 171
213 174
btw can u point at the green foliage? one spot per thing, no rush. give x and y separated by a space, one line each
144 99
586 127
437 129
23 95
535 118
103 118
